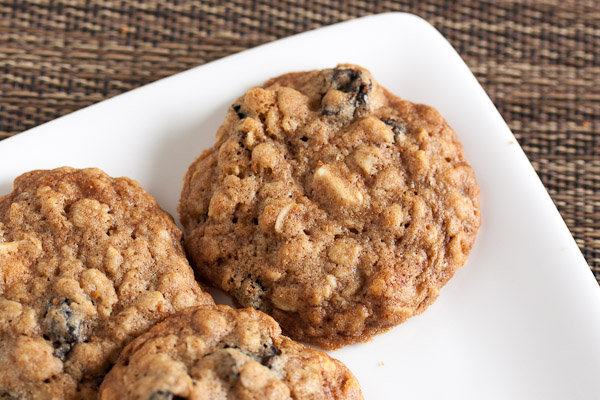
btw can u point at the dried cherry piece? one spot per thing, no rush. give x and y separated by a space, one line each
237 108
397 127
164 395
271 352
63 326
352 81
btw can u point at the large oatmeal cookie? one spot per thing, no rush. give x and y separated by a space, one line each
87 263
331 204
217 353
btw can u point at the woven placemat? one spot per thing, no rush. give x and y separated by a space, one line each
538 61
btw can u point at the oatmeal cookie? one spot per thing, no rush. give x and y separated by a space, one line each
331 204
87 263
221 353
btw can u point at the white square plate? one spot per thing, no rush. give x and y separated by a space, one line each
520 321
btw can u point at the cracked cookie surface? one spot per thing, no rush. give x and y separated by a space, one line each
87 263
330 204
222 353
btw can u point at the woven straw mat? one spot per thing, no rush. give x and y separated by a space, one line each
538 60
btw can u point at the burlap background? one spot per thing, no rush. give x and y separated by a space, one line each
538 60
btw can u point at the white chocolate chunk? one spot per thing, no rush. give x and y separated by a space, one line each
281 217
337 187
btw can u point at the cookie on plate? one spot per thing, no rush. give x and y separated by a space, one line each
222 353
87 263
330 204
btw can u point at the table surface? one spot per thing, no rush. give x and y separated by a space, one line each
538 60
